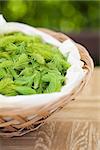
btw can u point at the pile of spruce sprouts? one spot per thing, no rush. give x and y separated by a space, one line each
30 66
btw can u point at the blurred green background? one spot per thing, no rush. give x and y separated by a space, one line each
66 16
70 17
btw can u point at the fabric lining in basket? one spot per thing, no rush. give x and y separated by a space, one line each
19 122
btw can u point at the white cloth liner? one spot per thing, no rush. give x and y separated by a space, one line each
74 74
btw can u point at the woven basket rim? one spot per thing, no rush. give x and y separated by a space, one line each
61 37
20 123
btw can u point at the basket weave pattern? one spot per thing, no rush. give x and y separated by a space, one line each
19 123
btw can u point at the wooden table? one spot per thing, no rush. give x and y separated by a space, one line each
75 127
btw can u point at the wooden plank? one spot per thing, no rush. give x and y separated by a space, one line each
59 135
75 127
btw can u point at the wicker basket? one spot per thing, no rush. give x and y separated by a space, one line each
19 124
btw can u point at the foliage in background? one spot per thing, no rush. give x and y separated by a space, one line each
66 16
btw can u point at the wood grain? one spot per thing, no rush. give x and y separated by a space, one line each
75 127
